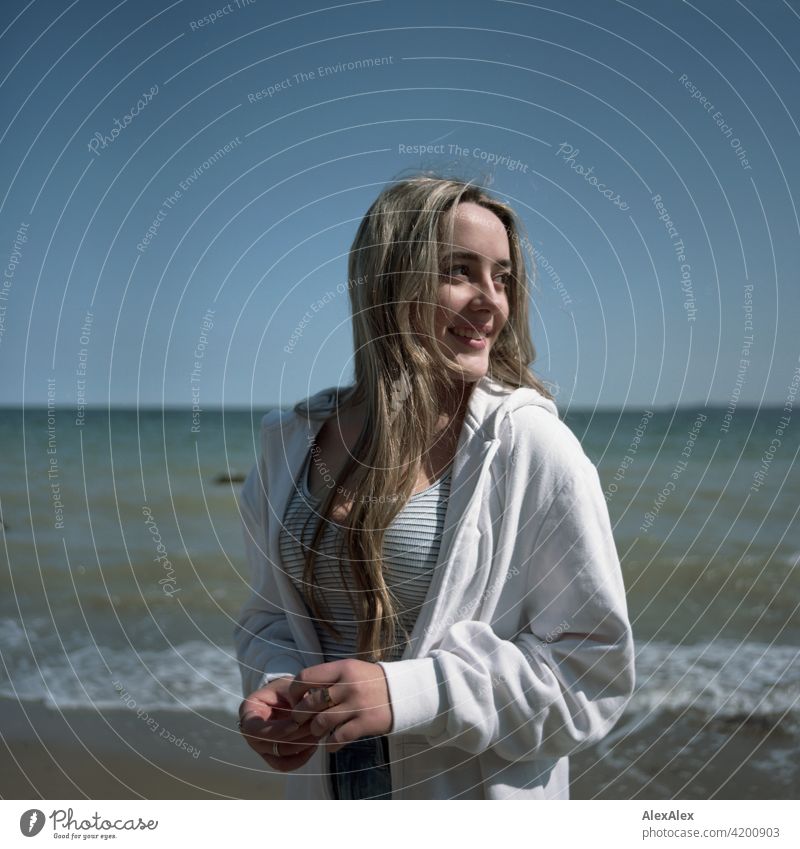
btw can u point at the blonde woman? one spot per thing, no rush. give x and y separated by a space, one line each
437 609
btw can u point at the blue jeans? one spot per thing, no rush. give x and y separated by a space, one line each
360 770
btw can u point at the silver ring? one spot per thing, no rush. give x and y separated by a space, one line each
275 750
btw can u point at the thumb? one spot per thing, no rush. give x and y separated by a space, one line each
258 705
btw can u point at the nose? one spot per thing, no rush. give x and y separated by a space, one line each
485 292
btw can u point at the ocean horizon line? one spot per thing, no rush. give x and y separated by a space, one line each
238 408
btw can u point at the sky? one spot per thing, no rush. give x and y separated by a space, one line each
180 185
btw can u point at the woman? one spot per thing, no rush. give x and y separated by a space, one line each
437 607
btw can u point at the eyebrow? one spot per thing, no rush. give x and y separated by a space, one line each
503 263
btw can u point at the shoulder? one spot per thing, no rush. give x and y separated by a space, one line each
253 489
275 417
547 467
318 405
540 441
253 493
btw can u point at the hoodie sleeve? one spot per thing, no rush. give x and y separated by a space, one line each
265 647
564 680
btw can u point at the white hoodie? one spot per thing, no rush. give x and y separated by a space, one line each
526 654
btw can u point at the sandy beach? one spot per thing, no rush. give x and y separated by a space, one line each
116 755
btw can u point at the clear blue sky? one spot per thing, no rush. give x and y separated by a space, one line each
652 97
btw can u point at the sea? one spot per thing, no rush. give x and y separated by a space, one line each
124 572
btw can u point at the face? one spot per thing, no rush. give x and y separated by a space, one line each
473 288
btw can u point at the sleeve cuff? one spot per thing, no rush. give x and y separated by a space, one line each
269 677
282 666
417 696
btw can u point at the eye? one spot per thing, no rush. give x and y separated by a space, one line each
505 279
457 270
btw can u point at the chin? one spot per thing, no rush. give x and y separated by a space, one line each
473 368
473 372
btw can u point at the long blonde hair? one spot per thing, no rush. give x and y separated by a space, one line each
394 269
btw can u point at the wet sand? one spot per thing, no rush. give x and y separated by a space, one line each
681 756
117 755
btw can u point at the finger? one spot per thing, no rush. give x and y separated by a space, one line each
299 732
268 746
321 675
256 705
271 731
343 734
270 696
250 709
285 750
314 701
302 732
290 763
326 721
265 695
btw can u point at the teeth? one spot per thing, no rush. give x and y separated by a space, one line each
469 334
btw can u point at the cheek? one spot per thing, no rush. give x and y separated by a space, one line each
506 308
444 312
442 324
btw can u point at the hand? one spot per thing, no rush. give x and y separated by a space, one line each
360 695
265 719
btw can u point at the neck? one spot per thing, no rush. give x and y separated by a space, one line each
456 400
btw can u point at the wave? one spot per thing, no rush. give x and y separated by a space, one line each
723 679
192 675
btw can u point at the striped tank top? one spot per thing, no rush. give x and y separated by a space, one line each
410 547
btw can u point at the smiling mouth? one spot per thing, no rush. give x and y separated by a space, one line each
476 344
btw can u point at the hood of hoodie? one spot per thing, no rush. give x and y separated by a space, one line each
490 401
